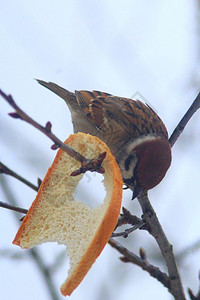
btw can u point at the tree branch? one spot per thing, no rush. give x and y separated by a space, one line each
128 256
127 218
14 208
191 294
5 170
127 231
86 164
183 122
46 272
155 229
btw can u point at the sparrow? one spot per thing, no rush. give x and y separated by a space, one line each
132 130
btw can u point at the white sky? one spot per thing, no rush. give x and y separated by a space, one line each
121 47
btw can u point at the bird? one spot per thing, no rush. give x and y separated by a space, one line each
132 130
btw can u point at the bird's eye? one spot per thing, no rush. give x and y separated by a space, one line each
130 182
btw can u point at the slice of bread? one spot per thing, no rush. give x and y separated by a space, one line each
55 216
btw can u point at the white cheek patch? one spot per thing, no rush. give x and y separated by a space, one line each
140 141
127 172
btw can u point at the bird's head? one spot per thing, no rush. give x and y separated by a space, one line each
145 163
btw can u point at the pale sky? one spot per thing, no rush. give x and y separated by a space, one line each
121 47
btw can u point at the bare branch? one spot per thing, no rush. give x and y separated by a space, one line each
5 170
183 122
94 165
191 294
87 164
127 231
155 229
128 256
46 272
127 218
12 207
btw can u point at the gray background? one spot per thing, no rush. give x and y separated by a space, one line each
121 47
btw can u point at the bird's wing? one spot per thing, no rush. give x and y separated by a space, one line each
98 109
119 119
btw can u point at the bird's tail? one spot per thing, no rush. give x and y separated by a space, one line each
68 96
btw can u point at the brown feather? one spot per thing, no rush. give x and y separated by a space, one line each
121 116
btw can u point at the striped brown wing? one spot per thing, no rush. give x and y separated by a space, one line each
84 99
118 118
142 119
95 106
133 117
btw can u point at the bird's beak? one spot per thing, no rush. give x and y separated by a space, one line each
137 190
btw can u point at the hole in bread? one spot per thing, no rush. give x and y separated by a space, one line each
90 190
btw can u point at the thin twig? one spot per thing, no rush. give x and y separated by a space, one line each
86 164
46 272
128 256
183 122
127 231
127 218
191 294
155 229
12 207
5 170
